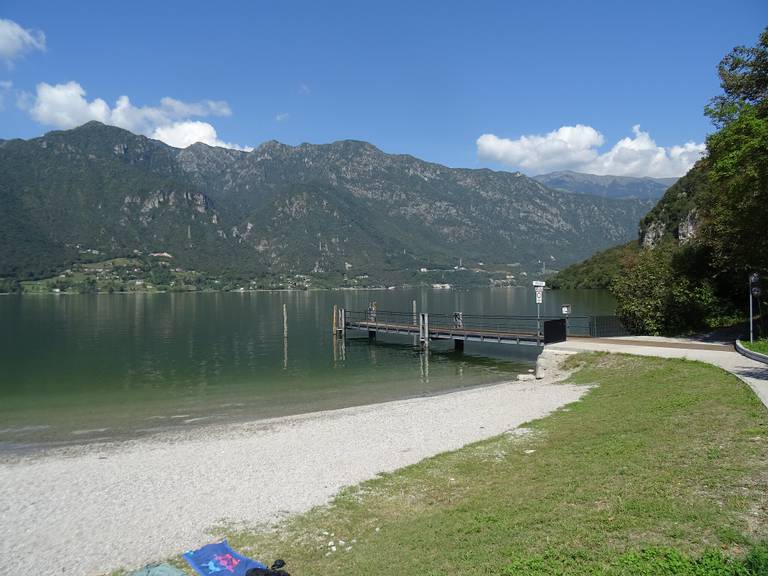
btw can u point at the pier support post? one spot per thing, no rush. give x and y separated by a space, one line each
285 337
335 318
420 338
458 345
371 335
424 330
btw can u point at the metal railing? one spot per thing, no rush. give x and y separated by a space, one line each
454 322
606 326
585 326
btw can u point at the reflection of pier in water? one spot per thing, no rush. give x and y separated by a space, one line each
426 360
339 350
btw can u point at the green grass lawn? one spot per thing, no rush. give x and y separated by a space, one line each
662 468
760 346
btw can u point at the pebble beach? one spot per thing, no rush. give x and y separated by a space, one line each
91 509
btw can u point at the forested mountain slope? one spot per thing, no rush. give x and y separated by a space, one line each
335 210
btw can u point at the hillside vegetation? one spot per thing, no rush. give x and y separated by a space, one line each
598 271
707 234
339 214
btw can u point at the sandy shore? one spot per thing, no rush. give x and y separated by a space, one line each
92 509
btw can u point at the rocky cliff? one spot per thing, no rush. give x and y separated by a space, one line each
676 216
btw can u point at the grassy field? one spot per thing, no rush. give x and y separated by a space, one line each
760 346
662 468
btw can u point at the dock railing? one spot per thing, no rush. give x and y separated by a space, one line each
597 326
456 321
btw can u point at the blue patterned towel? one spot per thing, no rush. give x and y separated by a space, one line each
221 560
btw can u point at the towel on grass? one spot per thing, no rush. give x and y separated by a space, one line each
220 560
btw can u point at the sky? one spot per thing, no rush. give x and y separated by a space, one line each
599 87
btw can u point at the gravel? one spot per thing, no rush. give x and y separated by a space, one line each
95 508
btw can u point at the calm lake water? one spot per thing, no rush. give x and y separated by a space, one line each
81 368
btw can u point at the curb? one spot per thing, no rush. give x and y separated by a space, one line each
750 354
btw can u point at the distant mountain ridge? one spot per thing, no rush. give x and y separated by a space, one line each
339 211
674 219
607 186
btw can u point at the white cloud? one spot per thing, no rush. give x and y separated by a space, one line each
15 40
282 117
66 106
534 152
640 155
304 90
183 134
577 148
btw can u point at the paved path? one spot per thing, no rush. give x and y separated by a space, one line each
656 343
755 374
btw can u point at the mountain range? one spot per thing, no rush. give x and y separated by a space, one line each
339 211
607 186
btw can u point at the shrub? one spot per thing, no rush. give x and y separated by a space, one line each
655 296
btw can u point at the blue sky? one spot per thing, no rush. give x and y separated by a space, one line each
509 85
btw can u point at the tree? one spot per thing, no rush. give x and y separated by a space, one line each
656 296
87 286
736 202
735 205
674 288
161 275
9 286
744 80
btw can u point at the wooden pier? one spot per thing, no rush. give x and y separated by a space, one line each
520 330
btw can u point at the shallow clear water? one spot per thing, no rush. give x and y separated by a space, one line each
79 368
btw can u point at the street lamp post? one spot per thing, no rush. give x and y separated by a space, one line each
754 292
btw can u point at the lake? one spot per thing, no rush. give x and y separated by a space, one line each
85 368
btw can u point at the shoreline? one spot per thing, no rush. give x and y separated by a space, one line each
105 500
16 451
454 288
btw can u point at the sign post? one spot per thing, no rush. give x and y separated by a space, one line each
754 292
539 287
566 310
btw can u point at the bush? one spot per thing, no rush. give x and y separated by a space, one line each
87 286
655 294
9 286
62 284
